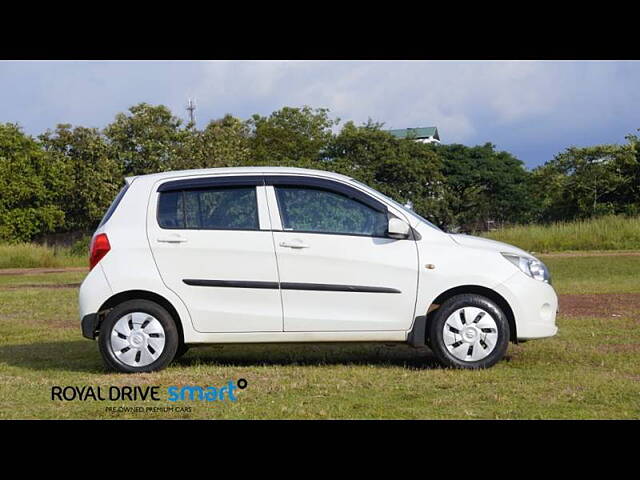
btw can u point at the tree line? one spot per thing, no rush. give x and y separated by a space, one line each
64 179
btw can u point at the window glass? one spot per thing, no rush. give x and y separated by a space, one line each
314 210
233 208
400 206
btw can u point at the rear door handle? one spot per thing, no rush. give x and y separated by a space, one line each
172 239
297 244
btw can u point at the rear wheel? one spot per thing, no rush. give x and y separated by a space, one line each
138 336
182 349
469 331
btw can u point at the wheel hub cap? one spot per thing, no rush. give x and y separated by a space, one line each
137 339
470 334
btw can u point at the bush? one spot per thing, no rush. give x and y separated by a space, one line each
80 248
612 232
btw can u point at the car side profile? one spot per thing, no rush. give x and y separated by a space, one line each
259 255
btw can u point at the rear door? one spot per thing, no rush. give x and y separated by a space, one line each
212 243
339 271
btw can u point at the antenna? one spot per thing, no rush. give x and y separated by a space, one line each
191 108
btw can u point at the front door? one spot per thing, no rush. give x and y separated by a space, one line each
339 271
212 243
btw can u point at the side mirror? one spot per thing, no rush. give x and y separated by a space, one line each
398 228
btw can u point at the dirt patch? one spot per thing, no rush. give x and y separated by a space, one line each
40 285
609 305
36 271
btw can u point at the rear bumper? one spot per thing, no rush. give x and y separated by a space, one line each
89 325
94 291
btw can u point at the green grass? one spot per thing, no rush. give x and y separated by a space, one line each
29 255
11 281
604 233
594 274
591 369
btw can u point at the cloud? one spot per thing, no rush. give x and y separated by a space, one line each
532 109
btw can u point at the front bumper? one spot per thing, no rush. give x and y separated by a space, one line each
534 304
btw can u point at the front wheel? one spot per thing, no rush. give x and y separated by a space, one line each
138 336
469 331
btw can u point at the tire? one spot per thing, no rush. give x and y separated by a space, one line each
469 331
150 346
182 349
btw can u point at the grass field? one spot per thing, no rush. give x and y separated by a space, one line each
604 233
591 369
29 255
594 273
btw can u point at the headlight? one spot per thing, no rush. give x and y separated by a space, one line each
530 266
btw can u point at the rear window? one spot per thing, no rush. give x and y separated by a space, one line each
216 208
114 205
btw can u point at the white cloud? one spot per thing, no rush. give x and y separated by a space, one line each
520 106
399 93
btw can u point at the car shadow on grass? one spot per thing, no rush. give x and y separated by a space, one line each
83 356
69 356
310 355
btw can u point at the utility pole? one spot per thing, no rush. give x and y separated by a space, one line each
191 108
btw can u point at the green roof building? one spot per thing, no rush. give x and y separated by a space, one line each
420 134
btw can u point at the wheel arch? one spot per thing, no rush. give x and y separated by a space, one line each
121 297
417 336
485 292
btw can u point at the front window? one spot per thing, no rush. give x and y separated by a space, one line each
398 205
307 209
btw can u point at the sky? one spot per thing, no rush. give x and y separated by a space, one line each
533 109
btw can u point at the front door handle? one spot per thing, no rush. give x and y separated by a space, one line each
297 244
172 239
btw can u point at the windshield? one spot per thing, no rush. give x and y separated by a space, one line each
399 206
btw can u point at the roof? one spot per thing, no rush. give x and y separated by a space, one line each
239 170
420 132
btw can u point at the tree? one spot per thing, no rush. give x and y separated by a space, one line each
296 137
223 143
631 195
92 177
484 185
30 182
147 140
402 169
583 182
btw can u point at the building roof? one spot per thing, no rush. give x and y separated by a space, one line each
420 132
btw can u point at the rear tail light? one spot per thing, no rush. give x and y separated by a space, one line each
99 248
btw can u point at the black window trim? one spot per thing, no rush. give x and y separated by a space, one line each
205 183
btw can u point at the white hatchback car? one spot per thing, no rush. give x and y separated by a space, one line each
255 255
